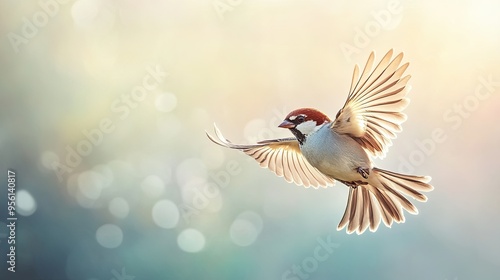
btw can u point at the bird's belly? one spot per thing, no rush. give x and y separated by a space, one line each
339 156
339 169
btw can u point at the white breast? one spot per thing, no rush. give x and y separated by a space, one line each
335 154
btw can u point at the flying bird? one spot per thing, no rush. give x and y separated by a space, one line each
323 151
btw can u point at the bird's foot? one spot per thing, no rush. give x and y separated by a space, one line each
350 184
353 184
363 171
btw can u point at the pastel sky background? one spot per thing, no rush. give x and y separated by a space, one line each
104 107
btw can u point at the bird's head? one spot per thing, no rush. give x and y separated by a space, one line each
304 121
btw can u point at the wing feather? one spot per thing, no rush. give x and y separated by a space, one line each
283 157
287 174
299 176
272 162
372 113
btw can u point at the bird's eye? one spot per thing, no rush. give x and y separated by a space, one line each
300 118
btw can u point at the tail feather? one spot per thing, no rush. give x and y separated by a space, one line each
408 184
382 199
388 206
356 216
359 221
347 213
365 217
374 213
407 205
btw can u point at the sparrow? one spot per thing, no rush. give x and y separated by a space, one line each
323 151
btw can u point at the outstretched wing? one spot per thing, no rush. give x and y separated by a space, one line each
283 157
372 113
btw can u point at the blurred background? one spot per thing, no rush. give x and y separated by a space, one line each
104 107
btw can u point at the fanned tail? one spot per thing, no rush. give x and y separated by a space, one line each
383 198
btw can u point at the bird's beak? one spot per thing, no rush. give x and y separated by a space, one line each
287 124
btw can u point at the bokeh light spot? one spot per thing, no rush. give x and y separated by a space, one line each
105 172
246 228
90 184
109 236
26 204
191 240
48 158
119 207
94 15
165 214
166 102
84 12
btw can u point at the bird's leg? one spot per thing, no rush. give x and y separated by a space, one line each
350 184
353 184
363 171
